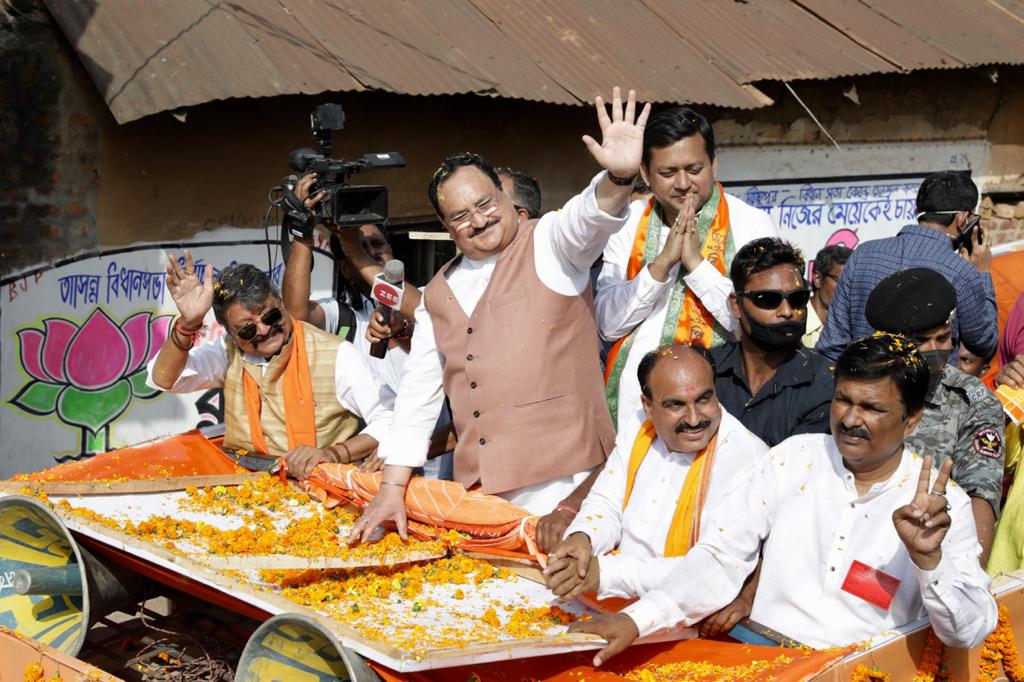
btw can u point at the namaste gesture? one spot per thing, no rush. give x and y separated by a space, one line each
923 523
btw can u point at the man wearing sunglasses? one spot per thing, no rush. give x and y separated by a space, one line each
945 205
290 389
962 420
767 379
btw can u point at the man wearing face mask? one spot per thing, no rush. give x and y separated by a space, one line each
962 419
767 379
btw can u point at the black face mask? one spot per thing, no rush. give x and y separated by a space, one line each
936 360
779 336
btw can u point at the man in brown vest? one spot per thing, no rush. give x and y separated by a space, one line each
507 331
289 389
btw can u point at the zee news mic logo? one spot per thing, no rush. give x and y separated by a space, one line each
387 294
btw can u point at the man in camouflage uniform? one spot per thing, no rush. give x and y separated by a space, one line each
962 418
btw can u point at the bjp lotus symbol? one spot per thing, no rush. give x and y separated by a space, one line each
87 375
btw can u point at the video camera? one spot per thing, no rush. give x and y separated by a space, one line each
342 204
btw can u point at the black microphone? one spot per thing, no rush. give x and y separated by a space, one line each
387 292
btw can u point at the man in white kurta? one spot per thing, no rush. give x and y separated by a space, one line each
680 165
640 529
860 535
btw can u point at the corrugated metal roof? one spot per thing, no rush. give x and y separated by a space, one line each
931 34
766 40
588 47
879 34
146 57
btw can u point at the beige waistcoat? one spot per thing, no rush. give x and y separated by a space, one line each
334 423
523 376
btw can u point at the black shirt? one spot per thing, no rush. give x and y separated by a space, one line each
795 400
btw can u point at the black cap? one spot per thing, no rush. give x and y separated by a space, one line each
910 301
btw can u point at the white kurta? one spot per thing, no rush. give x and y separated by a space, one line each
566 243
621 305
357 388
802 502
389 368
639 531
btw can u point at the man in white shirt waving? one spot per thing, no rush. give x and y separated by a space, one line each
685 457
664 278
860 535
507 332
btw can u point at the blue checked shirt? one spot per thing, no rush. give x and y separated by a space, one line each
915 246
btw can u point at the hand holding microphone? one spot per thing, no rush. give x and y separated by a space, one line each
387 292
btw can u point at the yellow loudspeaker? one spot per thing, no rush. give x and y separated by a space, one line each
294 648
50 588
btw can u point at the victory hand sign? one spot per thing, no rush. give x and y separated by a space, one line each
923 523
622 136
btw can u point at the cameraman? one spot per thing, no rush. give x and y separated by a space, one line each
359 254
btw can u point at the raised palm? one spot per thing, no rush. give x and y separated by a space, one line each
622 137
193 296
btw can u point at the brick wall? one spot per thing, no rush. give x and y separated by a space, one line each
48 141
1003 218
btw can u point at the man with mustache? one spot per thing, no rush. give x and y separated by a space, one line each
685 457
290 389
506 330
767 379
859 534
963 420
664 274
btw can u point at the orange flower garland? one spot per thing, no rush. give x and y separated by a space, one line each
862 673
701 671
999 650
933 659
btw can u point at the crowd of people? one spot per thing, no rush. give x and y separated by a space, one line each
706 428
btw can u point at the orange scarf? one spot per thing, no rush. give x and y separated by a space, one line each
695 324
300 421
685 528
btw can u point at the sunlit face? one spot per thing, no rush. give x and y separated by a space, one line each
972 364
680 169
683 406
825 284
784 278
939 338
480 217
269 339
869 421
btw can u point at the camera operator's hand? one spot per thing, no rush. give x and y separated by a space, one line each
302 190
193 297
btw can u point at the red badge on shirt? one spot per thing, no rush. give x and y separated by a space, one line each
871 585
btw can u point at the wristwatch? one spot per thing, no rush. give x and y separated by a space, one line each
622 182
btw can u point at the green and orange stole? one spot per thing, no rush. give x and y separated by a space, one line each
686 318
684 531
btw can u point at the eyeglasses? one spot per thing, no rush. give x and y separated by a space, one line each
247 332
769 299
463 219
834 278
